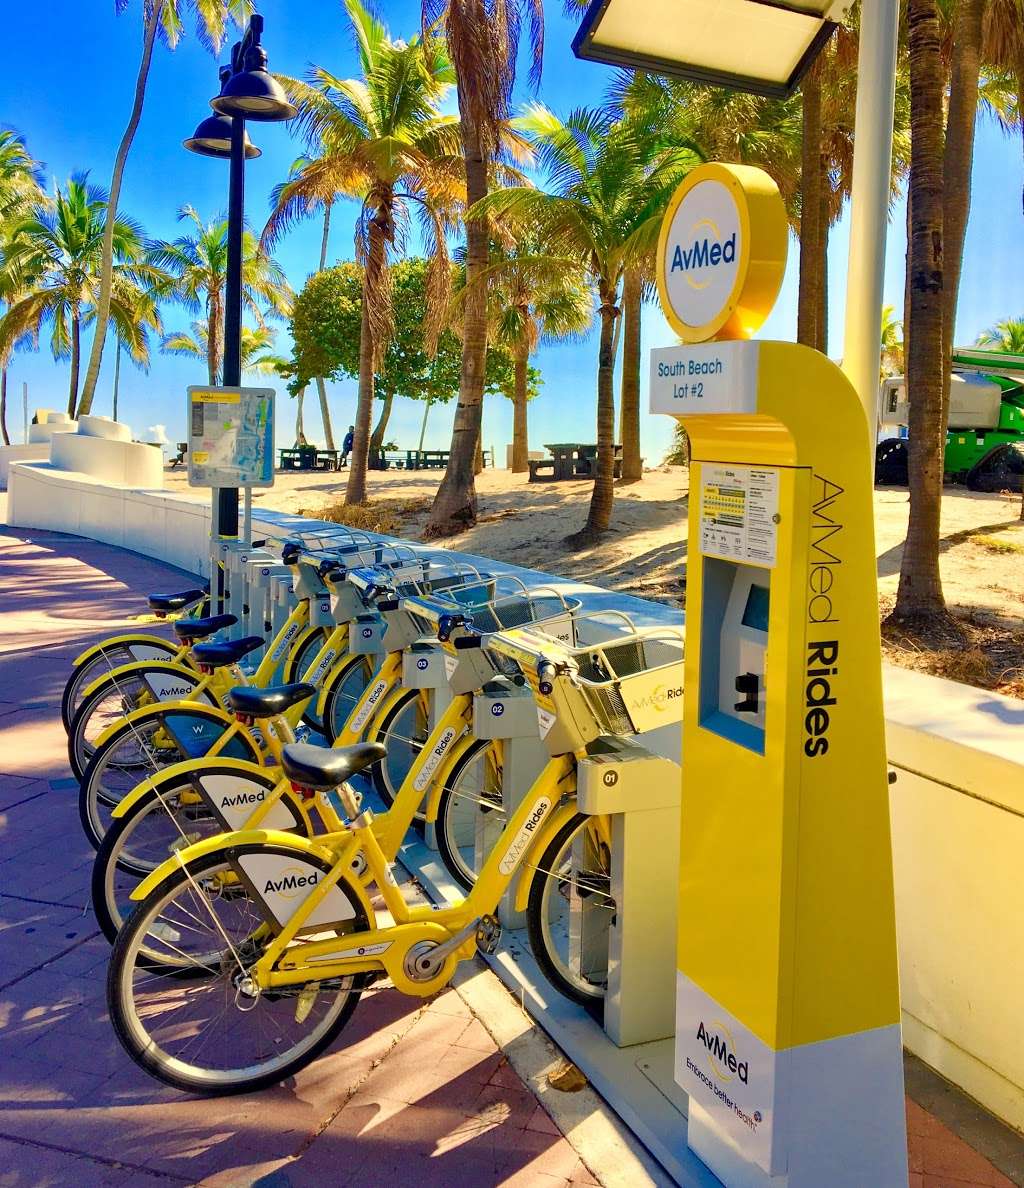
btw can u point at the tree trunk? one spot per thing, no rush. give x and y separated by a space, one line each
214 331
376 263
3 406
919 596
76 357
423 426
92 374
808 317
117 376
300 432
603 496
321 387
956 171
325 413
1019 73
377 436
455 502
326 235
823 234
629 412
520 435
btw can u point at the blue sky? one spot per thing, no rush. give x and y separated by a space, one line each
69 95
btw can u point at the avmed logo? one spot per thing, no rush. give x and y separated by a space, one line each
292 882
722 1059
706 250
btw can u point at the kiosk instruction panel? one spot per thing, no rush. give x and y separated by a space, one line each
739 508
231 437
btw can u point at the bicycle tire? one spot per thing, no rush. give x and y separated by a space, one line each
338 688
143 1048
108 657
79 747
91 794
445 829
113 858
539 934
297 662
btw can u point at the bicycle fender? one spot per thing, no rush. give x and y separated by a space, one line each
528 870
168 667
197 708
440 777
129 638
183 769
390 700
247 837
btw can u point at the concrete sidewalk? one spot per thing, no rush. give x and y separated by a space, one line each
420 1093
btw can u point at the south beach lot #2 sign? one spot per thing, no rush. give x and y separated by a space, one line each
721 259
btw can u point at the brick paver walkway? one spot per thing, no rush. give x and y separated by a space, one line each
419 1094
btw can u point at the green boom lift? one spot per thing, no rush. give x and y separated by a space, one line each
985 439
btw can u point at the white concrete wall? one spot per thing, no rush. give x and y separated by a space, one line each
33 452
957 805
125 463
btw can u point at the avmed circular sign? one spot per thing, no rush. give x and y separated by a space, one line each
722 252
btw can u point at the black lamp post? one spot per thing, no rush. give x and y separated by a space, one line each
248 92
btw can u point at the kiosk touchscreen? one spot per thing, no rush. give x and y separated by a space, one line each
787 1001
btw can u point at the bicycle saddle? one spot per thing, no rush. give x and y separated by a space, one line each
264 703
219 655
201 628
167 603
323 768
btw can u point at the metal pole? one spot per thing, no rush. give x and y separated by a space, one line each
228 519
869 201
24 411
117 375
247 522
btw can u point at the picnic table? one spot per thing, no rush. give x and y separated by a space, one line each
426 459
308 458
570 460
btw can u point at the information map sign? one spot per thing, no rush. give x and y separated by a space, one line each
231 437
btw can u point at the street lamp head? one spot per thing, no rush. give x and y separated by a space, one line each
252 92
763 46
213 139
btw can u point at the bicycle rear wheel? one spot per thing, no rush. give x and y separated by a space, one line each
178 811
119 695
570 911
106 658
144 747
190 1022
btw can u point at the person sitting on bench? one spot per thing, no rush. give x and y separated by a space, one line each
346 445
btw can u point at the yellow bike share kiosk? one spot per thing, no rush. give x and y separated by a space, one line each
787 1001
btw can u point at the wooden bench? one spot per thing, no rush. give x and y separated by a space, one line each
426 459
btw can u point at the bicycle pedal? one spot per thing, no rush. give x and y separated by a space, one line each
488 933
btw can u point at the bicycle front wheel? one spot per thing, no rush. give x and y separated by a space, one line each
403 730
570 912
470 812
190 1021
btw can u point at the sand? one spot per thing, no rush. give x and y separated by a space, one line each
982 561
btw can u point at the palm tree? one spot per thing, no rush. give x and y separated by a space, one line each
57 249
892 343
482 37
160 18
197 267
21 189
919 595
380 136
257 348
1006 336
532 296
1003 45
604 215
308 191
